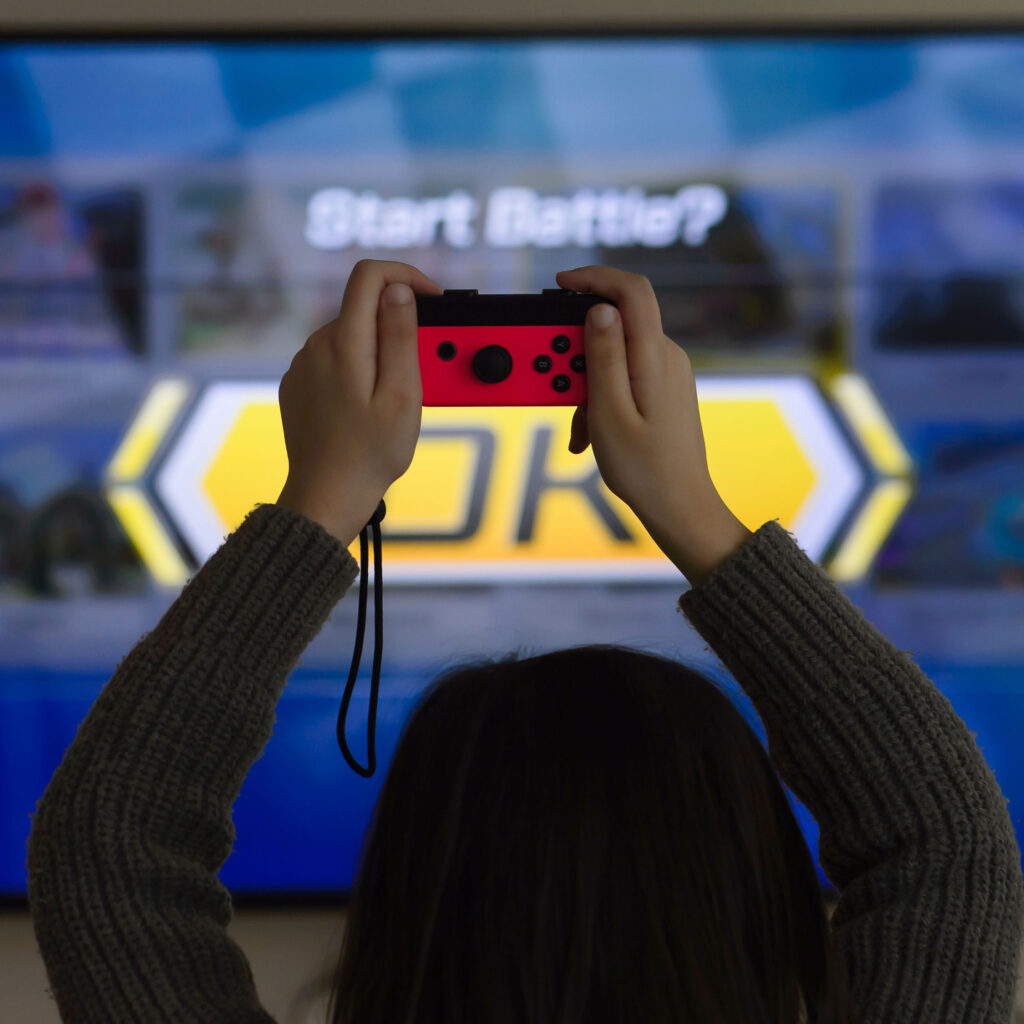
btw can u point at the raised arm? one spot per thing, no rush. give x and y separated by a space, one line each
914 830
127 839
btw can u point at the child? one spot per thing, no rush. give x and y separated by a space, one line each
589 835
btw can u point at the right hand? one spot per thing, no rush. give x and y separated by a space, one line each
642 419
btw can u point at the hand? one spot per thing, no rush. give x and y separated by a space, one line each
352 401
643 421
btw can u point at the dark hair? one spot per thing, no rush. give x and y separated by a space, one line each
594 834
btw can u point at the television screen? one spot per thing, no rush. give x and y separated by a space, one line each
833 226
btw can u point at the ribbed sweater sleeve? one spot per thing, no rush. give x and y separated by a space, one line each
135 823
129 835
914 830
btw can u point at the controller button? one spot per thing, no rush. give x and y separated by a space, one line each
561 382
542 364
578 363
561 343
446 350
492 364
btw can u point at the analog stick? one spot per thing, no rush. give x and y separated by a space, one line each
492 364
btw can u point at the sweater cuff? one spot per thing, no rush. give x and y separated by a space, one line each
276 578
748 607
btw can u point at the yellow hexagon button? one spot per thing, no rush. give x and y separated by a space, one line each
493 494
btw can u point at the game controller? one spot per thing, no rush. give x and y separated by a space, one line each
503 349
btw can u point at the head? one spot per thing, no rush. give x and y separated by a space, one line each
593 834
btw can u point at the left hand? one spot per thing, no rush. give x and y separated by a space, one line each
352 401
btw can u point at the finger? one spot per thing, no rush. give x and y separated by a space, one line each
579 437
354 337
609 392
398 357
641 322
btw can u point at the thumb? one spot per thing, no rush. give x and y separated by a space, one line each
397 344
579 437
608 389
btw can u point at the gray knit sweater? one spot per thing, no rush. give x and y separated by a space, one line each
132 829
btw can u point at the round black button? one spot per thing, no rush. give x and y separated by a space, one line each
542 364
578 363
560 382
446 350
561 343
492 364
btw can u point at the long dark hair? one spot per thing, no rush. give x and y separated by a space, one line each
594 834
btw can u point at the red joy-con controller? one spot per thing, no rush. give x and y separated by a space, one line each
503 349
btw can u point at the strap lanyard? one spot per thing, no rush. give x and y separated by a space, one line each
373 526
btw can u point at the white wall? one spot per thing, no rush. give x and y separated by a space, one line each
288 950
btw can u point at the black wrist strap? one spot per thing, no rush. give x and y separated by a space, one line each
378 625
